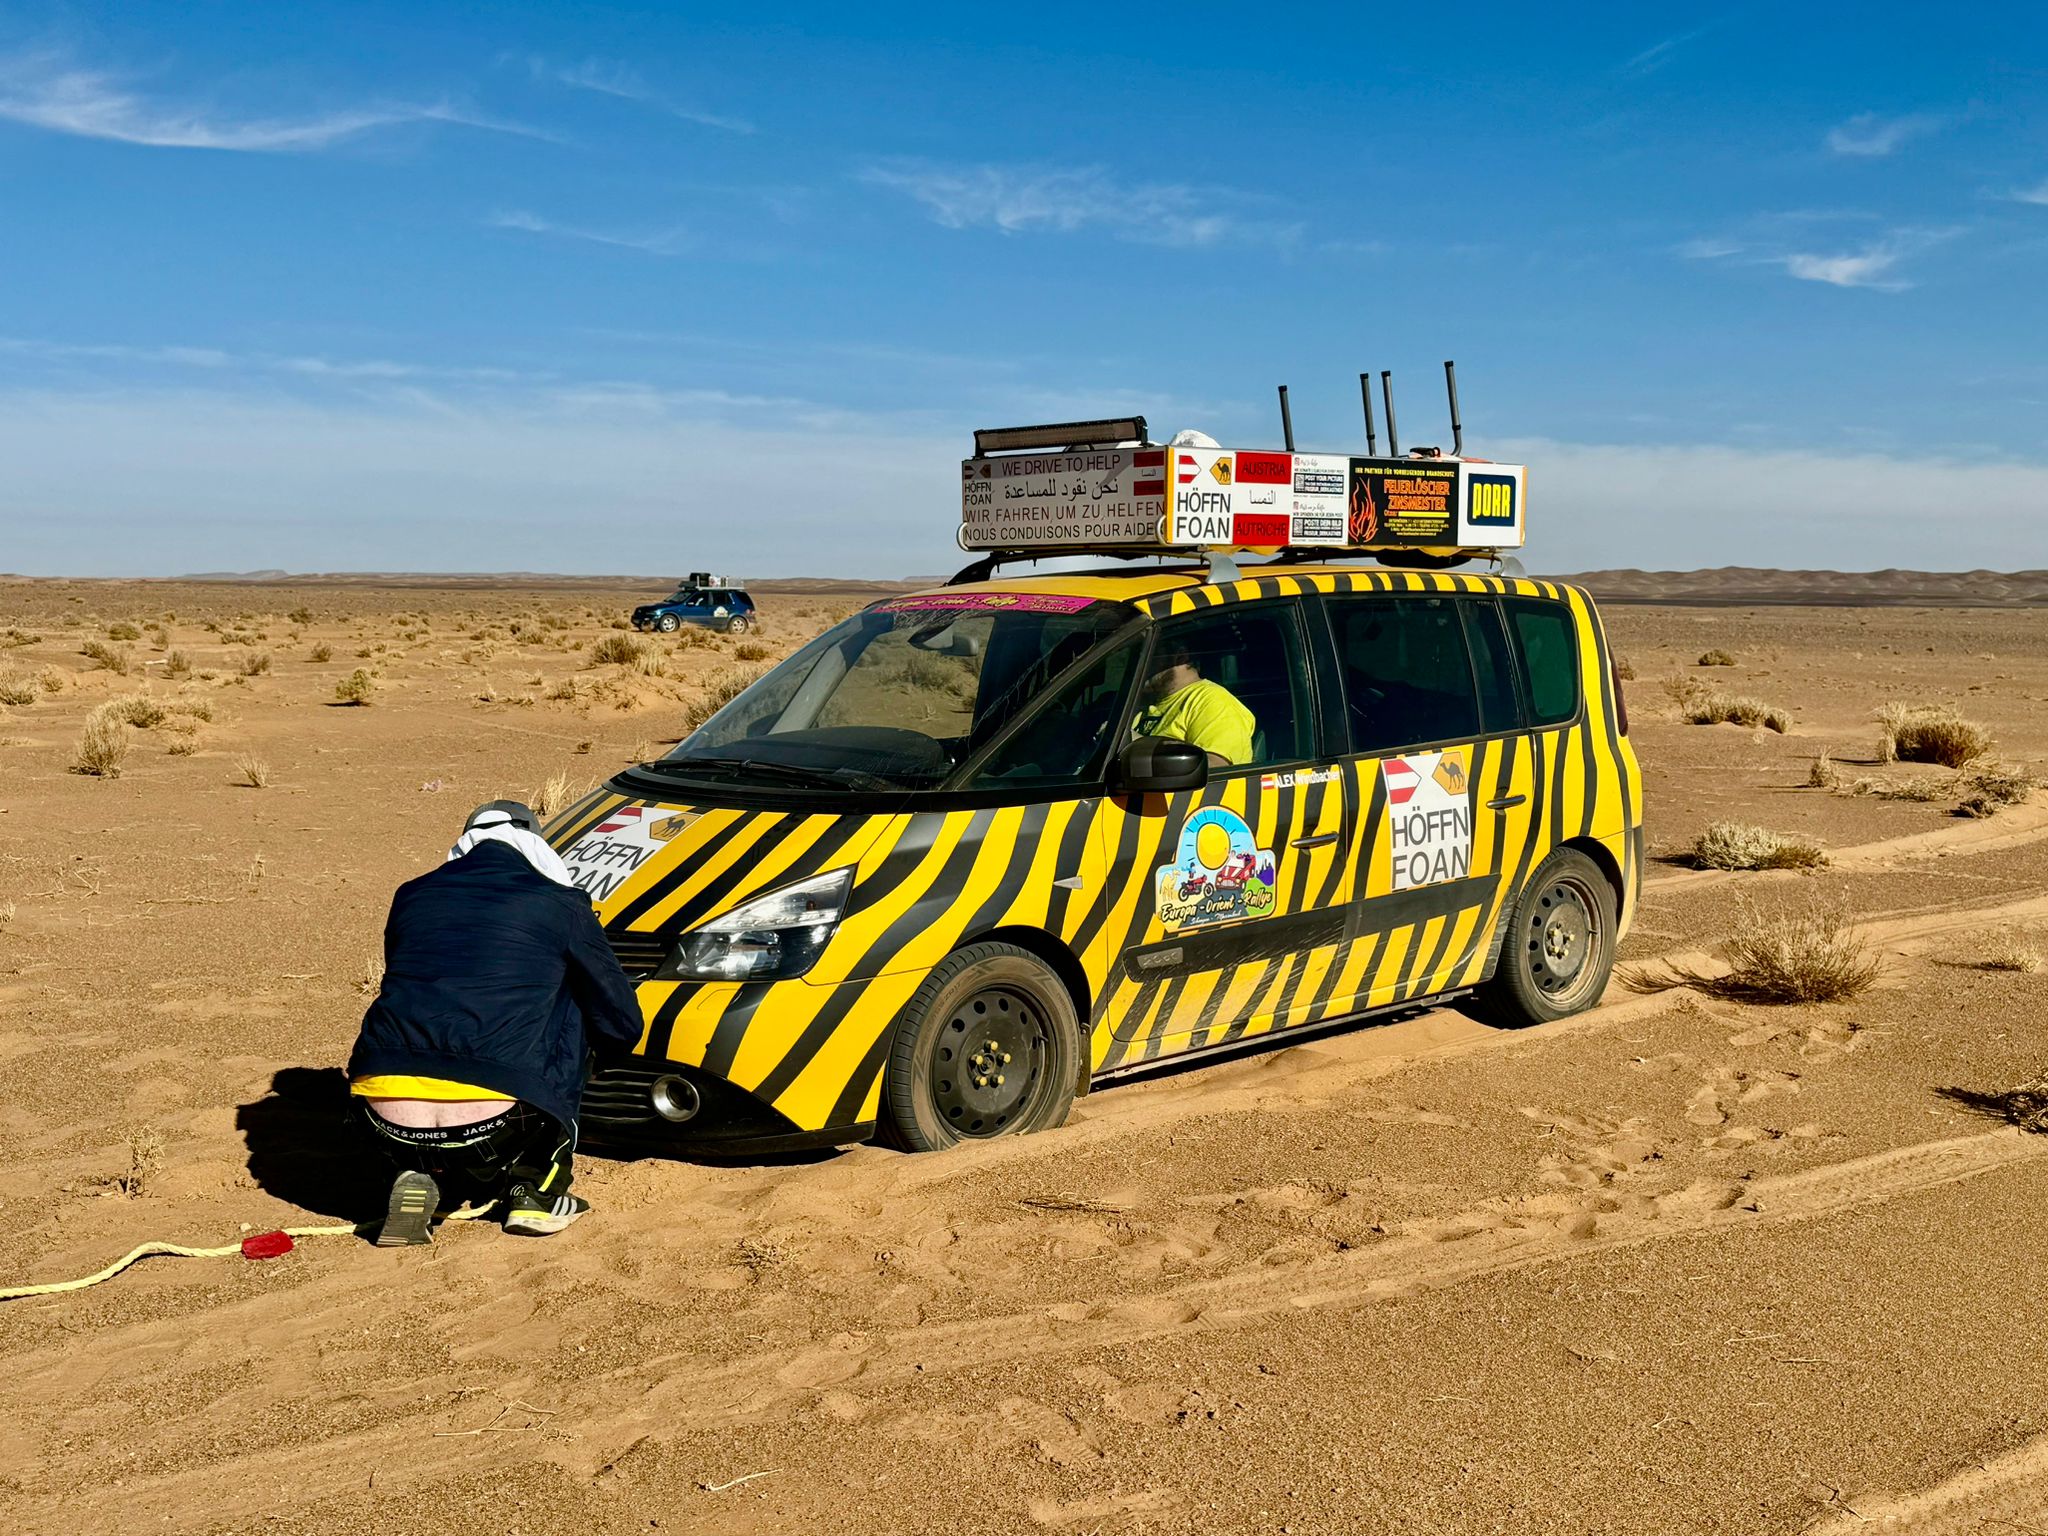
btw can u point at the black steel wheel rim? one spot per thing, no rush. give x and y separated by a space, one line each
991 1054
1562 939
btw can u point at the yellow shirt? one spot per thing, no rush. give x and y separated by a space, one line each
438 1089
1206 715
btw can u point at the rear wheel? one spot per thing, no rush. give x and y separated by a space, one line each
988 1046
668 623
737 624
1559 948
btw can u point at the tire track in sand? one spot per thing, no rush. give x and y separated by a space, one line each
2006 1494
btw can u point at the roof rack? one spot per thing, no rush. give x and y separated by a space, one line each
1218 565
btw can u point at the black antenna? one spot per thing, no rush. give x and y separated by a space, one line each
1457 431
1372 443
1286 421
1387 393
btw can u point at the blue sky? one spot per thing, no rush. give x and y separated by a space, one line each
603 288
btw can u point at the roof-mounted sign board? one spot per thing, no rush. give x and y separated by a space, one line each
1224 498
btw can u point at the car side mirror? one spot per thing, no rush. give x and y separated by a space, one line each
1155 765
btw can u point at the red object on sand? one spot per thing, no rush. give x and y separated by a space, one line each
266 1245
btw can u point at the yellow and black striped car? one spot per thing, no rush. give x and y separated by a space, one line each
921 881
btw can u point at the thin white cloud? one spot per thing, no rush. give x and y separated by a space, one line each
1657 55
609 78
670 242
216 360
1022 199
2035 194
42 91
1869 134
1706 249
1874 264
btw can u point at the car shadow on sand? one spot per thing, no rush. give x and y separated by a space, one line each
303 1150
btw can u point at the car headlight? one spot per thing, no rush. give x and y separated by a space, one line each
770 938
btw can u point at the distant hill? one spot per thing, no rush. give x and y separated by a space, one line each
1751 586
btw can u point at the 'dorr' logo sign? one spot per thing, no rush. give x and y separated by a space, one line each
1490 500
1429 817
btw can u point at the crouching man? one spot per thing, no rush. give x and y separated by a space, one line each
469 1071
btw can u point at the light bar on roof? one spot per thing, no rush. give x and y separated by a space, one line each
1060 434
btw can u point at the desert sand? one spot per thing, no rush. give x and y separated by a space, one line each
1676 1265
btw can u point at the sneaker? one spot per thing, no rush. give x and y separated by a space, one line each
532 1214
409 1218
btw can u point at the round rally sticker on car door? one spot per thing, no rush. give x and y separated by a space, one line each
1429 813
1219 873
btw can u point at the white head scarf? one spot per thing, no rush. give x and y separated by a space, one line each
498 827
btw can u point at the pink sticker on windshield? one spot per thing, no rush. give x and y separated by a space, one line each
997 602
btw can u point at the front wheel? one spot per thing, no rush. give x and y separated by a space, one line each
668 623
988 1046
1559 947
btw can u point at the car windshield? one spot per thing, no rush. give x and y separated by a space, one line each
897 696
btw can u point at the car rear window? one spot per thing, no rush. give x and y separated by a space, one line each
1407 673
1547 642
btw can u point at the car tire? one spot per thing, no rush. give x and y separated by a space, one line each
988 1046
668 623
737 624
1559 947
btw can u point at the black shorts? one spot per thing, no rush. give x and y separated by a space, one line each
523 1145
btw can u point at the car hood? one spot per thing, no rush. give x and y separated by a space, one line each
661 865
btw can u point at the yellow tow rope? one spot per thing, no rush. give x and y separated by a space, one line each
257 1245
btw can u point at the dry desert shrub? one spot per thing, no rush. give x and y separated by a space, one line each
136 709
102 746
183 742
177 664
751 650
252 771
1624 669
567 691
1777 954
107 656
145 1162
255 664
1823 774
11 638
1990 790
2011 950
321 652
1710 708
301 616
18 688
618 650
1731 845
356 688
49 679
123 632
552 798
1717 658
160 639
1928 733
719 691
193 708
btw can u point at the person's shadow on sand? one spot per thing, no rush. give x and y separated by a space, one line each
303 1150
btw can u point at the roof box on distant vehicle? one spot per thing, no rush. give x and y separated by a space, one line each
1068 488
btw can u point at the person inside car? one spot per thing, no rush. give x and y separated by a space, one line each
468 1072
1182 705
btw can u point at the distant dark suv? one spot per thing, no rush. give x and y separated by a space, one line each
700 598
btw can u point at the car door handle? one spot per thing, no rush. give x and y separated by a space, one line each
1320 840
1505 801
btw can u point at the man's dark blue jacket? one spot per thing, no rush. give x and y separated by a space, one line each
493 974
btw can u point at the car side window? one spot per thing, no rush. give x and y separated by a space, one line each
1407 673
1068 739
1253 654
1500 707
1548 644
